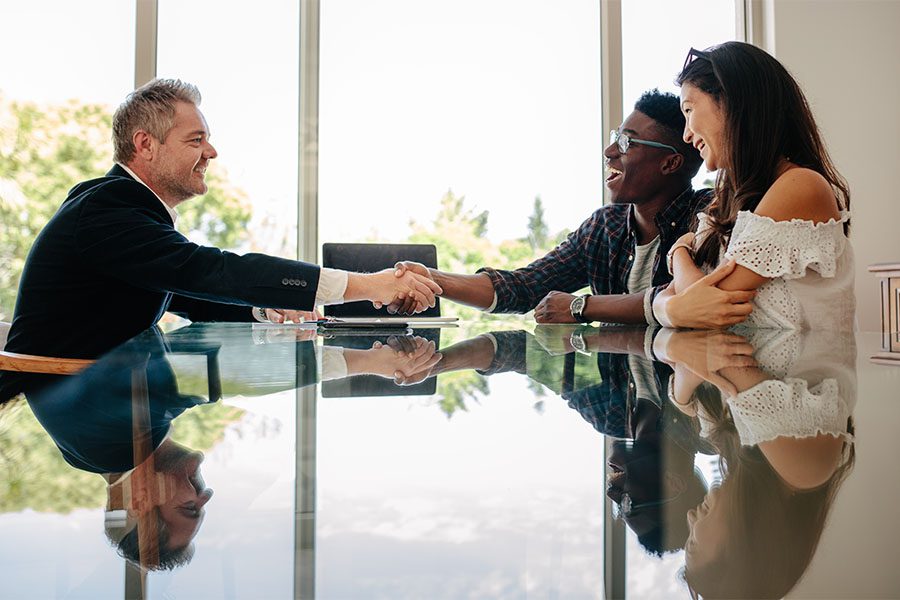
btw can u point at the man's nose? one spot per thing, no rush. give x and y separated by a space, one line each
210 152
203 497
611 151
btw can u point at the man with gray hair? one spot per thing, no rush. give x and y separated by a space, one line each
110 262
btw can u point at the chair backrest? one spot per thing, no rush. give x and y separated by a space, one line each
29 363
367 258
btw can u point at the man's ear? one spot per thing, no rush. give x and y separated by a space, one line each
672 164
144 144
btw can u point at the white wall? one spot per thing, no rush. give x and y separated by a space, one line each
845 54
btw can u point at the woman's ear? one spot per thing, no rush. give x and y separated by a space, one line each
672 164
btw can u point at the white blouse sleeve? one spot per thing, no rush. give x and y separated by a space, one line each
789 408
787 248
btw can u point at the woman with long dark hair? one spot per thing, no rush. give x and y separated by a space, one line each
781 209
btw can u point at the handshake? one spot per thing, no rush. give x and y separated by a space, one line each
415 289
406 289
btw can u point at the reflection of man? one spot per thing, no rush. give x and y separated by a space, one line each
619 251
110 261
157 508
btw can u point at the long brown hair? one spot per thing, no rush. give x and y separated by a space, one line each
767 119
773 529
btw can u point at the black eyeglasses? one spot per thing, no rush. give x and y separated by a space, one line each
694 54
623 141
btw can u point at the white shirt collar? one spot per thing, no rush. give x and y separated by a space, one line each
168 208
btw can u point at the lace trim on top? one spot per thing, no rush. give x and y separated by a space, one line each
789 408
787 248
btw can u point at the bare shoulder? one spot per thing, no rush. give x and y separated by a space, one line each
800 193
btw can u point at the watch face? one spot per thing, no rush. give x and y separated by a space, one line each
577 341
577 306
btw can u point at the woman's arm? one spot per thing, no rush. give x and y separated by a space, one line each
797 194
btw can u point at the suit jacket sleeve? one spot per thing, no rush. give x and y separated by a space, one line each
205 310
124 233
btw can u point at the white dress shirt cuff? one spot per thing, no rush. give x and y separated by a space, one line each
332 363
332 286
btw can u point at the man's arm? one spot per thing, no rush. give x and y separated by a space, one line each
564 268
613 308
472 290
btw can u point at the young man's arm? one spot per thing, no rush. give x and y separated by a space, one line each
613 308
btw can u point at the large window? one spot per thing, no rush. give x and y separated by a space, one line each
474 125
59 87
245 62
656 36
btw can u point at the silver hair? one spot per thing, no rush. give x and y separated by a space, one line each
151 108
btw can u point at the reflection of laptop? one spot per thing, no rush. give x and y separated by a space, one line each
368 258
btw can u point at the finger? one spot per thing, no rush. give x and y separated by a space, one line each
718 274
416 285
429 283
432 361
377 305
376 345
422 301
740 310
740 296
742 361
408 306
400 269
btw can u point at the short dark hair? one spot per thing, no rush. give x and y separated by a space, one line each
665 109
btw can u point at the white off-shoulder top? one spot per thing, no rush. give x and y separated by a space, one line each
810 265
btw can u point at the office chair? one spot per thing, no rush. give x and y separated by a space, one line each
368 258
31 363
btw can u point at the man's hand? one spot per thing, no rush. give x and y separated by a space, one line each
555 308
405 304
407 359
281 315
414 291
704 306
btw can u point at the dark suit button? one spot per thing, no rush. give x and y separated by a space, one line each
302 283
284 281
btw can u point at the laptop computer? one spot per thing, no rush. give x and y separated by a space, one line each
368 258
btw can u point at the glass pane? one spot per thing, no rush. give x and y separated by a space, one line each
244 59
446 122
59 88
656 36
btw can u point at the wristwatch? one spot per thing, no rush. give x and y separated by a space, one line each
576 340
577 307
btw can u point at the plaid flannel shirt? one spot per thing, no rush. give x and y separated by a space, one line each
599 253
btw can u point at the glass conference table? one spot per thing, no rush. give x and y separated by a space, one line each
561 462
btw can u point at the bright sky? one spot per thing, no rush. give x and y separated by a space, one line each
498 101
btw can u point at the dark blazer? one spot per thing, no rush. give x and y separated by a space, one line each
110 262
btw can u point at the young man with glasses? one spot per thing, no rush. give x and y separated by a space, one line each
620 251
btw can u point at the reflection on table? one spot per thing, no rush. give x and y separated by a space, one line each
444 462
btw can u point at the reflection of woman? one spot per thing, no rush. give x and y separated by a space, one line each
781 209
784 432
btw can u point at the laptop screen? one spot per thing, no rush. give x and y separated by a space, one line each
367 258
